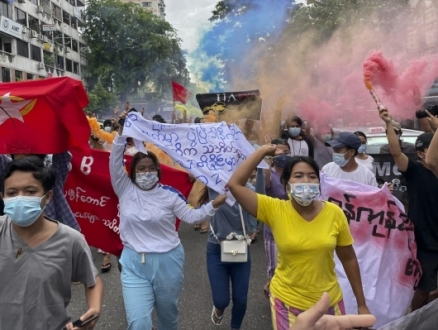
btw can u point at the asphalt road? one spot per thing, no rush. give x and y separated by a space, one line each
195 302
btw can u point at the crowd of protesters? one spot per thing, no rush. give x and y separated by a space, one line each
42 251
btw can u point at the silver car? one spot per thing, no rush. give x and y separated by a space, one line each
376 136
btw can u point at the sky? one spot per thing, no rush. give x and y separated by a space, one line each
189 17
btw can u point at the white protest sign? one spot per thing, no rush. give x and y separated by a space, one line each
384 244
210 152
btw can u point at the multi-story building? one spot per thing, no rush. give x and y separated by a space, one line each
156 7
41 38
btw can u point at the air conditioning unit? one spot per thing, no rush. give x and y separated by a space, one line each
40 9
46 39
34 34
24 30
41 38
67 50
40 66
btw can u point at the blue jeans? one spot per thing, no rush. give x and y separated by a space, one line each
155 282
220 273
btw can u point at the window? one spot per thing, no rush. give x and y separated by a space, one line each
6 75
33 23
47 6
29 76
75 67
7 47
18 75
60 62
35 53
68 65
74 45
35 2
146 4
67 41
58 37
22 48
20 17
6 10
48 34
66 17
73 21
57 12
73 3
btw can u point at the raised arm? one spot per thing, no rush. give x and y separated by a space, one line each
432 152
401 160
237 184
119 179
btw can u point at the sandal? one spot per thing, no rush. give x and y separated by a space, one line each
203 231
217 320
106 268
197 226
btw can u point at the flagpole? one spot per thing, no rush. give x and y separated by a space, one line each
173 101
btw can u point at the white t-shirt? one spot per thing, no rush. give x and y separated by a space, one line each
368 163
360 175
298 147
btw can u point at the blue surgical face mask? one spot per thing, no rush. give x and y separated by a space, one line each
23 210
107 128
294 131
339 159
146 180
327 137
281 160
362 148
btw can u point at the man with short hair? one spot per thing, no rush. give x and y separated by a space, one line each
344 165
40 257
406 147
422 183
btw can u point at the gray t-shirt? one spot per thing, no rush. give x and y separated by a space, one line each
322 154
35 287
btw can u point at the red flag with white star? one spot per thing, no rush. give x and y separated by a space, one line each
43 116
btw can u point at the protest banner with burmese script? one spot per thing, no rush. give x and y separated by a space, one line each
384 244
210 152
91 197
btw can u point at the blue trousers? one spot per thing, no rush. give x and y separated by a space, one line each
220 274
152 280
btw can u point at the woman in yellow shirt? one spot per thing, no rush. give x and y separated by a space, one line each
307 233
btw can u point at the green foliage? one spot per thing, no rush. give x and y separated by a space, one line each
131 50
324 17
100 100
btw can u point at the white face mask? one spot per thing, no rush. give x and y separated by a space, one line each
146 180
304 193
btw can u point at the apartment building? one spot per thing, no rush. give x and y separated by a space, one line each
41 38
156 7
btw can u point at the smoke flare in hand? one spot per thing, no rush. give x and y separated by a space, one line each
377 69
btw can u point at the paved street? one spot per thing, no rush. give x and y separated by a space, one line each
195 301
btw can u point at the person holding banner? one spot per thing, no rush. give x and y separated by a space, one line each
422 183
307 233
153 257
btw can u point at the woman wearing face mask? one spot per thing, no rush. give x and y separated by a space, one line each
362 157
274 188
307 233
153 257
299 144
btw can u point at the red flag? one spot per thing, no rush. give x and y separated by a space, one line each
91 197
180 93
43 116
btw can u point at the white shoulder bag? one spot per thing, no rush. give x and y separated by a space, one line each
234 250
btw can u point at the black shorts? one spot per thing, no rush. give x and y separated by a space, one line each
429 264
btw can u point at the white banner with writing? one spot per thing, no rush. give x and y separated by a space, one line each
210 152
384 244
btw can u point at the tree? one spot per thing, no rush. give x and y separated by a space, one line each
100 100
131 50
